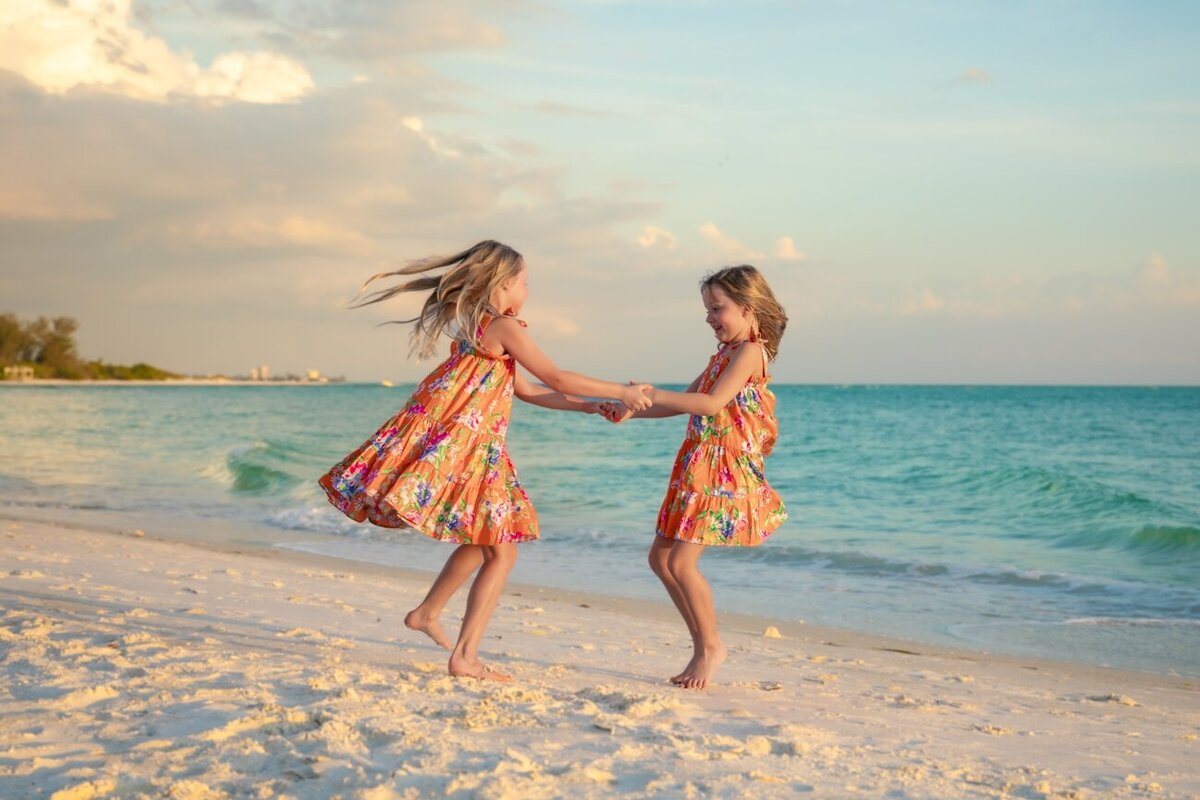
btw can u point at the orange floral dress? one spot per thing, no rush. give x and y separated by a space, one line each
440 465
718 493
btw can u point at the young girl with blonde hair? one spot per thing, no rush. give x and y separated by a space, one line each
440 465
718 494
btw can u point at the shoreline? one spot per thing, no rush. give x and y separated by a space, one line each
290 546
658 610
142 666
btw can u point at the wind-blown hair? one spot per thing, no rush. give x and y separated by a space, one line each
746 287
458 298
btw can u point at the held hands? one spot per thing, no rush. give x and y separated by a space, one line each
638 396
634 397
615 413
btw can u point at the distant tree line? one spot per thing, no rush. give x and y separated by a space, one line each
48 345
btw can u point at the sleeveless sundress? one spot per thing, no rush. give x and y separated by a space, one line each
718 493
441 465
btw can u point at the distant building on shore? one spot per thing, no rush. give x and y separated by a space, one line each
18 372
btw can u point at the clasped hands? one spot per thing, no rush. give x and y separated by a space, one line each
637 397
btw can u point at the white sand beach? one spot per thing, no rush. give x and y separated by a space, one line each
139 666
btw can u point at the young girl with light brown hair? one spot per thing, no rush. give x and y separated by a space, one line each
718 493
440 465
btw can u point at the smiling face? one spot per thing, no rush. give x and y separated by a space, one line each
729 321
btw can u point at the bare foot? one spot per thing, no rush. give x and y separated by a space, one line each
430 626
462 668
687 671
706 666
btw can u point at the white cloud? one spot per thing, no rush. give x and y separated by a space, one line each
975 75
60 46
926 302
290 232
383 32
1164 287
550 324
258 77
36 204
417 126
378 194
1154 272
1152 287
785 249
728 246
656 237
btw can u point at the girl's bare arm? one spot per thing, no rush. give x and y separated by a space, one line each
618 413
744 364
509 334
546 397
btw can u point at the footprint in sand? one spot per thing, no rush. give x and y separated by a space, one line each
86 790
81 698
302 633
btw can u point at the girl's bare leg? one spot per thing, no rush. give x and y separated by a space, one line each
660 551
465 559
498 561
683 563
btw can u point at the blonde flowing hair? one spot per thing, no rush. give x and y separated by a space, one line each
746 287
458 298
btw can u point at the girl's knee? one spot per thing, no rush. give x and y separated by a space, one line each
680 562
660 552
505 554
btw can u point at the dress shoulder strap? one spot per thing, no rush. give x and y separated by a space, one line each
762 351
486 320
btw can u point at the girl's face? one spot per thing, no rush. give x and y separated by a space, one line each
513 294
729 321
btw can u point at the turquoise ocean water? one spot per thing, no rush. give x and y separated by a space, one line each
1057 522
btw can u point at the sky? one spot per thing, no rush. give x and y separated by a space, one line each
938 192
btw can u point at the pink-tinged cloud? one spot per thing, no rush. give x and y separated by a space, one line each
785 249
726 245
925 302
653 237
975 75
